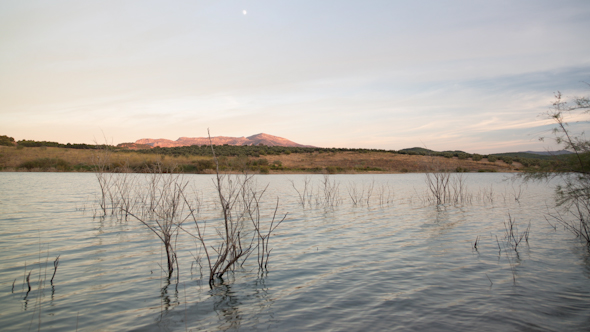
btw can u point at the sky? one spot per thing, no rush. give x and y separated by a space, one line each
469 75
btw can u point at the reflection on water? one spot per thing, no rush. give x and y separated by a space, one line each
227 307
369 254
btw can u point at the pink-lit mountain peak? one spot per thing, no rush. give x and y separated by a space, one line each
257 139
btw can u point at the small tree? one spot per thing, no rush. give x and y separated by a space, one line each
574 169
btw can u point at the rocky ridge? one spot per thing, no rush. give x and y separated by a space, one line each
266 139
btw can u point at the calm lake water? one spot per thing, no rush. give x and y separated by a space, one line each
394 263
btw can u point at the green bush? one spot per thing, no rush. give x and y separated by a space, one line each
367 169
204 164
82 168
188 168
507 160
492 159
476 157
7 141
46 163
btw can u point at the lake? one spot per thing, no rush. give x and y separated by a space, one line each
391 260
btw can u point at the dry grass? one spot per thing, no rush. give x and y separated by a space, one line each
346 162
11 158
388 162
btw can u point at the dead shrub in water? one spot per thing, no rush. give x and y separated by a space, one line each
385 194
447 188
306 193
101 161
444 187
355 194
163 205
438 186
361 195
263 235
512 239
239 203
163 211
512 235
329 189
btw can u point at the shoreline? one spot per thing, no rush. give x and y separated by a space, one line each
53 159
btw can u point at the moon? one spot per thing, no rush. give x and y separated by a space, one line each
244 12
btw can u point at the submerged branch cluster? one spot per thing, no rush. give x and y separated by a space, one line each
163 203
445 187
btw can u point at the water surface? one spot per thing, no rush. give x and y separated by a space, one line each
390 262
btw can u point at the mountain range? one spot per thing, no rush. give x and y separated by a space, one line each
265 139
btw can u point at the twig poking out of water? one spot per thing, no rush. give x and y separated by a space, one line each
362 195
305 194
386 194
475 244
517 192
370 192
28 283
486 195
263 248
491 283
330 189
355 194
185 322
55 265
513 237
13 285
550 224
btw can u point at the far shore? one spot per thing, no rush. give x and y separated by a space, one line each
54 159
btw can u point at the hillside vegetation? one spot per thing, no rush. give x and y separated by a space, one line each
52 156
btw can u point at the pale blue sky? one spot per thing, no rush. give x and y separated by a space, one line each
465 75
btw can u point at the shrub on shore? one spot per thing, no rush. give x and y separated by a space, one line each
46 164
7 141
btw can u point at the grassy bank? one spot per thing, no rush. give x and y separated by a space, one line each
331 161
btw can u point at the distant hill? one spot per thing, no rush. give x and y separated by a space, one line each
265 139
548 153
534 155
419 150
424 151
